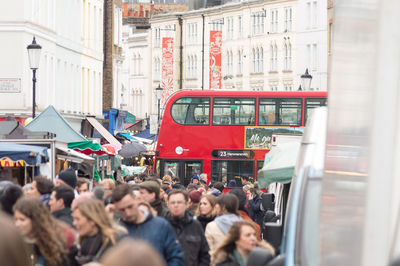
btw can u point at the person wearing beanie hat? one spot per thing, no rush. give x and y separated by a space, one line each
67 177
195 179
150 192
194 199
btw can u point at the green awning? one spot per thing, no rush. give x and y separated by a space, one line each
279 164
130 118
88 147
52 121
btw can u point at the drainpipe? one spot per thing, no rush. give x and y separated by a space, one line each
180 53
202 55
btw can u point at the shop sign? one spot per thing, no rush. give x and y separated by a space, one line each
10 85
7 162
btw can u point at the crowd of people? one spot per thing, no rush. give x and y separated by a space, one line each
141 220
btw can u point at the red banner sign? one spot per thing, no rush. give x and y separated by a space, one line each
215 59
167 79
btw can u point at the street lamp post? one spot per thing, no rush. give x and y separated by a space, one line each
306 81
158 95
34 59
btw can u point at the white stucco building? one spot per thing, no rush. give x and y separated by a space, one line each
258 45
136 71
71 65
312 41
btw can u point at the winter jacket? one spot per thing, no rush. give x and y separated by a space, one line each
91 249
256 214
159 206
232 259
159 233
204 220
191 237
229 261
217 229
64 215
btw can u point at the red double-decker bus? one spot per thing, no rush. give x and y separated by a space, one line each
226 134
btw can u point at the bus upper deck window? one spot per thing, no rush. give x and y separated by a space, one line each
191 111
234 111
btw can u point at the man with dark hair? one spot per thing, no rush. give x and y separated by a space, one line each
82 185
245 180
142 225
150 192
60 203
41 187
9 196
176 184
217 188
189 231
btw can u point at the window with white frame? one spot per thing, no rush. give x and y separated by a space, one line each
273 57
240 62
288 86
192 33
314 57
191 67
230 63
274 20
240 26
257 88
258 60
288 56
308 15
229 25
157 68
217 24
314 14
157 37
258 23
273 87
288 19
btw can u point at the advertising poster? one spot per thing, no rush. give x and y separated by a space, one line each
167 78
215 59
259 138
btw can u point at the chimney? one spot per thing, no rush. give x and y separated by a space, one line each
147 14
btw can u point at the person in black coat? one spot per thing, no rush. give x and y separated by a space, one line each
189 231
60 204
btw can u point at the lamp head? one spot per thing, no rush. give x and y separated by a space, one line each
34 50
306 80
159 91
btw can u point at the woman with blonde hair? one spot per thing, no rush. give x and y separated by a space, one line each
97 232
240 240
40 231
206 211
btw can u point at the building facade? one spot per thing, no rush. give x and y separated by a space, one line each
259 42
70 72
312 41
135 72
